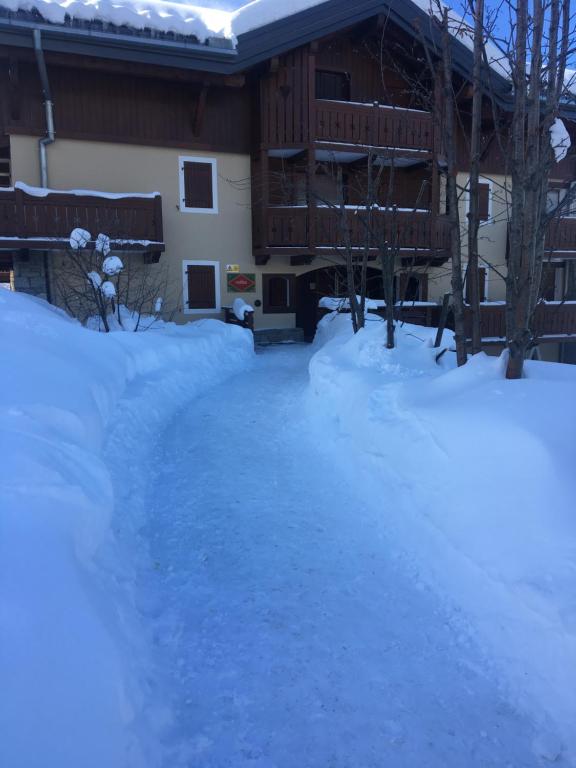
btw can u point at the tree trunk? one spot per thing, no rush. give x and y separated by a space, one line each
452 194
475 150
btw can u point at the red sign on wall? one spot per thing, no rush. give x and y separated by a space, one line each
243 282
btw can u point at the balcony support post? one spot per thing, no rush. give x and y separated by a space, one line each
264 197
311 153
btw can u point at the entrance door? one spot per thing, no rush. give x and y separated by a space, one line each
326 281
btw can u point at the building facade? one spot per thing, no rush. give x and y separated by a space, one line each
233 170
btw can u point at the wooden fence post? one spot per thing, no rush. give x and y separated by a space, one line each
443 319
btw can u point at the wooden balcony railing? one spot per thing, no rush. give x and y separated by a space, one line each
561 235
550 320
374 125
344 122
291 227
33 219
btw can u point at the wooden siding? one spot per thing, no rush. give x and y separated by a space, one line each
359 59
284 96
105 106
56 215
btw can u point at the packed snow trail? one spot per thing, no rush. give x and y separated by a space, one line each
289 633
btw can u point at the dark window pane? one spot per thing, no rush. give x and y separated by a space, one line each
332 85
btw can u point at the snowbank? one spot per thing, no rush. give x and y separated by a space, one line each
475 476
72 690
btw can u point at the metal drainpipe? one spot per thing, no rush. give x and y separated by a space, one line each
49 138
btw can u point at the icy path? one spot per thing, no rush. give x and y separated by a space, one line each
290 635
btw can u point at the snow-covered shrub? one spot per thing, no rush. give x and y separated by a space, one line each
104 292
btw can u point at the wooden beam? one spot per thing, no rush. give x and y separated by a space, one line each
301 260
200 111
131 68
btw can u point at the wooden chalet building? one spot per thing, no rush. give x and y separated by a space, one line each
217 151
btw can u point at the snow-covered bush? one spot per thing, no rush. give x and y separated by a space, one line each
104 292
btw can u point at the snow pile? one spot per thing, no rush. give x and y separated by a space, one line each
338 304
559 139
72 684
45 191
475 475
240 308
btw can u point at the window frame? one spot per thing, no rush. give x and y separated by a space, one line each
213 161
291 308
186 310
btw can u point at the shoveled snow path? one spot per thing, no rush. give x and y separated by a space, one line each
291 634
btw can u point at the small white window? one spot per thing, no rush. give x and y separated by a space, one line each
198 185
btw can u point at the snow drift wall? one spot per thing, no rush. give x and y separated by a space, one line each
70 688
474 476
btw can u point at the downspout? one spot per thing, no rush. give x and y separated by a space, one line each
48 110
48 139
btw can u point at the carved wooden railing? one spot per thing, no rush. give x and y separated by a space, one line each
374 125
54 215
550 319
561 235
289 227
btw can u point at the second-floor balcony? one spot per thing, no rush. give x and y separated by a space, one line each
373 125
286 229
561 236
349 123
42 219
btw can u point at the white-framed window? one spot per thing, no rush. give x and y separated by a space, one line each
198 184
201 287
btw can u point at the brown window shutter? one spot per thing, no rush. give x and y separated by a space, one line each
201 286
483 201
481 285
198 191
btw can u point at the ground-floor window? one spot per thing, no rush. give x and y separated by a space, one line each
278 293
412 286
201 292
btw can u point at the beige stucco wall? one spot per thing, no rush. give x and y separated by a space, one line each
225 237
492 234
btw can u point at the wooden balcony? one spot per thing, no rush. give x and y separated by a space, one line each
33 219
373 125
552 321
561 236
346 123
286 229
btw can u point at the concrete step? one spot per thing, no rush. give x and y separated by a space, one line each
279 336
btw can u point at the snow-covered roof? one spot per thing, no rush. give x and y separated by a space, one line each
158 15
204 21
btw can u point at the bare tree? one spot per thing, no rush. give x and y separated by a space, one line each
449 137
472 274
103 291
538 53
